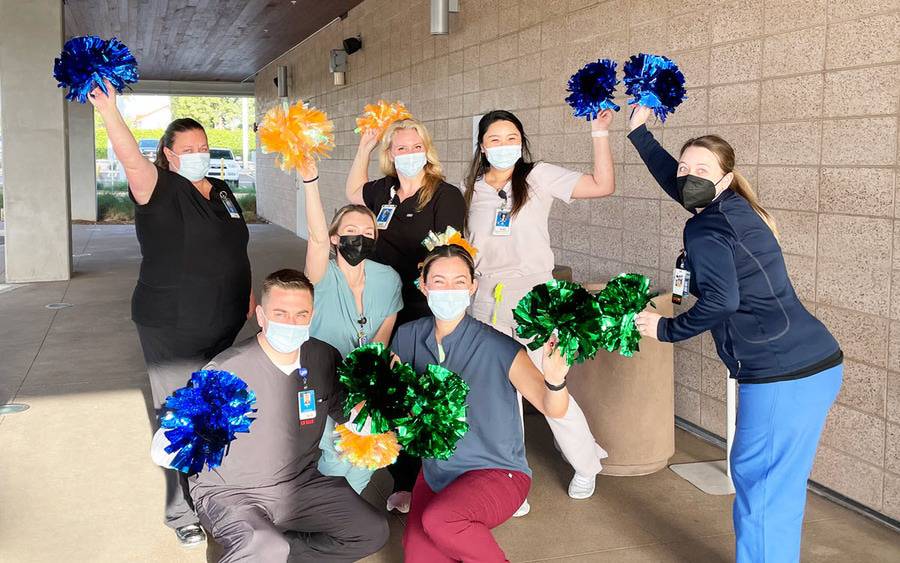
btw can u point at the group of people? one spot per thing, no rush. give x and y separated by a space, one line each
283 491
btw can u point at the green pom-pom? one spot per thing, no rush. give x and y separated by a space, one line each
437 416
624 296
568 309
367 375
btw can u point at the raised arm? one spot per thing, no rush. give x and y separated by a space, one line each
140 172
662 165
601 182
530 381
319 246
359 170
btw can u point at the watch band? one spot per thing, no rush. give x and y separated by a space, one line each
552 387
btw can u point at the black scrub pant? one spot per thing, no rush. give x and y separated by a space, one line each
172 356
406 469
312 518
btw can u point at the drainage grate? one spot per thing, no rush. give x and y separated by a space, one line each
54 306
13 408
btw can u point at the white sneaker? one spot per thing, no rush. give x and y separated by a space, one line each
399 501
582 487
523 510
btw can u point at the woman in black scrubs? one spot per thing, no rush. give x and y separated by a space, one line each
410 200
193 294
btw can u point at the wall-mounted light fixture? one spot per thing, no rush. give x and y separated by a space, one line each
440 15
281 81
338 63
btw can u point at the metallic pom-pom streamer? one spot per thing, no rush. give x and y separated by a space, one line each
655 82
380 115
624 296
367 375
592 89
86 61
297 133
203 417
367 452
564 307
438 415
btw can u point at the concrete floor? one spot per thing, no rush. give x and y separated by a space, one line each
77 483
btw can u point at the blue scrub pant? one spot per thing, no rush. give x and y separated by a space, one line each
775 441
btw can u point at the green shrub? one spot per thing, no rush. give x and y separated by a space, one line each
115 208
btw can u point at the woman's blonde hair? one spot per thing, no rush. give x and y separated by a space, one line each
725 155
335 225
434 173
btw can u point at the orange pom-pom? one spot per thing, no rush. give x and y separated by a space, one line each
379 116
298 134
368 452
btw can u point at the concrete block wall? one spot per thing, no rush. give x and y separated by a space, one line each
807 91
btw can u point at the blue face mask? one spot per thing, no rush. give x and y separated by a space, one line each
409 165
448 304
193 166
504 157
286 338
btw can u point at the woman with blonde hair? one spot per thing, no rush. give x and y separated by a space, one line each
356 299
409 201
787 363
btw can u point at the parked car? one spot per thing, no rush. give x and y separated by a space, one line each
223 165
148 148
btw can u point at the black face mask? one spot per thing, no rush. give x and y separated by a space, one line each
696 191
356 248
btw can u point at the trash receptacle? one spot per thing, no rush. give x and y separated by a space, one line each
630 402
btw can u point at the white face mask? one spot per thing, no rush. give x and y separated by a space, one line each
286 338
448 304
193 166
504 157
409 165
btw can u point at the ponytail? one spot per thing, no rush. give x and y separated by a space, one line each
742 187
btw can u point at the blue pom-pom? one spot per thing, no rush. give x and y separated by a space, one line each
592 89
655 82
86 61
203 418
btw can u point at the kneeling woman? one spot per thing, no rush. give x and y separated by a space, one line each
356 299
456 503
787 363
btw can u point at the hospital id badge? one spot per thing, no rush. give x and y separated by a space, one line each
385 214
229 205
502 219
681 283
306 401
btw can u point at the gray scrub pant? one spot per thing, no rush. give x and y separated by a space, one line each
171 358
312 518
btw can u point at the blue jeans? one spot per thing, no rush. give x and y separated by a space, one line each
775 441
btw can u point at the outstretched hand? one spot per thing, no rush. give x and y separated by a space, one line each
103 101
555 366
368 140
639 116
603 121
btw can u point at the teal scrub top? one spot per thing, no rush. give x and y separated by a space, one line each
336 320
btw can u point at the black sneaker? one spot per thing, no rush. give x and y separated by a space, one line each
191 535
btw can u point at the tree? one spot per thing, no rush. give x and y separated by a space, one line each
211 112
